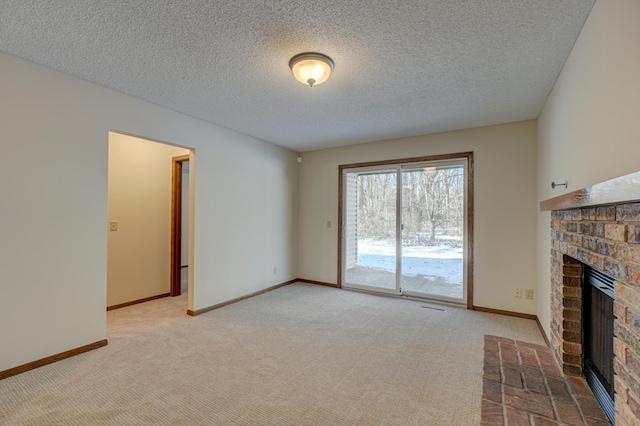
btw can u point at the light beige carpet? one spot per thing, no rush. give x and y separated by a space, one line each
299 355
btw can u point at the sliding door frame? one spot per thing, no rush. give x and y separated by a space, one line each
469 213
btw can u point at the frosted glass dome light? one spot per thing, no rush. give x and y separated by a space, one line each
311 68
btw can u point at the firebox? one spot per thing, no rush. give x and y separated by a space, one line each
598 320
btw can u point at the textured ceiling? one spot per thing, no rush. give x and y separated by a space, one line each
402 68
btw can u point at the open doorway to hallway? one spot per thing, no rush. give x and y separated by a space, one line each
140 187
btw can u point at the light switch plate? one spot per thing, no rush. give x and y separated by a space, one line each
113 225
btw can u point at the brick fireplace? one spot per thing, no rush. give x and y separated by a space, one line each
605 237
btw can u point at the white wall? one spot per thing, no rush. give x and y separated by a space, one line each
589 128
54 216
139 199
505 206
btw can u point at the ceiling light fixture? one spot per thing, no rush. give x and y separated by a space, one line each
311 68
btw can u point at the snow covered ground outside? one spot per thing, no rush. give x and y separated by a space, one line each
442 261
436 270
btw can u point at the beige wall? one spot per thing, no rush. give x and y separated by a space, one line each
589 129
54 216
139 198
505 205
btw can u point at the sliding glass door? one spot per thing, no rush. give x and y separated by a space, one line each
404 229
370 229
433 217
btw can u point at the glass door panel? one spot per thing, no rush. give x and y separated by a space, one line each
370 211
432 236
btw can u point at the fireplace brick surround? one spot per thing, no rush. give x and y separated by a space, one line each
606 237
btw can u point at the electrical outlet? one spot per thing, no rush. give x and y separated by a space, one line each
274 270
529 293
328 224
517 292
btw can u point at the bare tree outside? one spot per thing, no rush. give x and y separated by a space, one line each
432 204
376 206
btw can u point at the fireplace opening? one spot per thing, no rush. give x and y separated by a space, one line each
598 322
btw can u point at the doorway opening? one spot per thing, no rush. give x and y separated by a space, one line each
140 187
407 226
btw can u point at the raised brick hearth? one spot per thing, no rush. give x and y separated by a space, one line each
606 238
522 385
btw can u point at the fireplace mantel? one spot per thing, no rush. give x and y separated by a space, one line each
619 190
